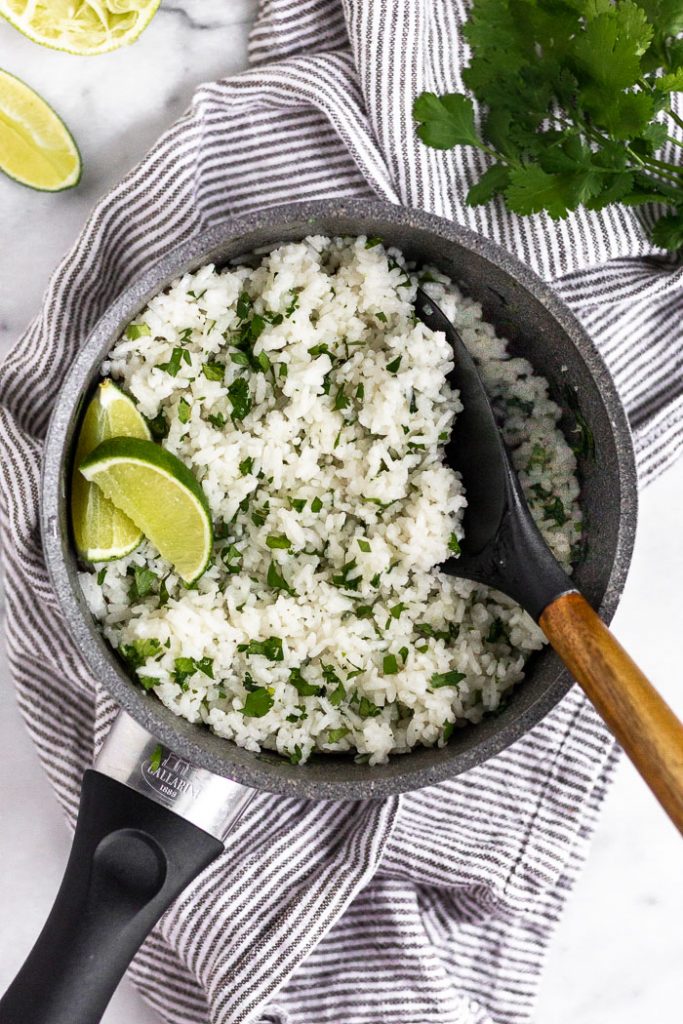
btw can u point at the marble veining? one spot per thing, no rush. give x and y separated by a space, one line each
617 954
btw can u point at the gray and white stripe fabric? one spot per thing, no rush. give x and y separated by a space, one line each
436 907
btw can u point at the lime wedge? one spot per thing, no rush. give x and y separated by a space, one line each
83 27
36 147
159 493
101 531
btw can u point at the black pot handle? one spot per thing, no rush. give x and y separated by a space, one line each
130 858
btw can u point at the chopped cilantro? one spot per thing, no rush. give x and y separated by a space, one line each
217 420
274 542
246 466
364 545
372 242
143 582
213 371
139 651
148 682
316 504
298 504
539 457
296 755
294 301
340 400
303 688
334 735
178 356
329 674
393 366
448 731
135 331
364 611
183 410
518 403
318 350
270 648
454 545
239 358
258 703
337 696
555 512
381 316
343 579
101 576
395 612
276 580
240 399
158 426
205 666
184 668
497 632
163 593
156 758
378 501
259 515
300 716
367 709
390 665
244 305
263 361
232 559
360 392
446 679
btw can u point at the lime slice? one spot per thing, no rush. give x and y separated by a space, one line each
159 493
101 531
83 27
36 147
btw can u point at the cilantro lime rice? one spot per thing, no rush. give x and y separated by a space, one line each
313 409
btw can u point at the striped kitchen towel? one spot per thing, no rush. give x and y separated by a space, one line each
435 907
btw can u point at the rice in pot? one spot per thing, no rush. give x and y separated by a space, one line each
313 408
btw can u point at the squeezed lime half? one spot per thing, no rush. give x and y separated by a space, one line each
84 29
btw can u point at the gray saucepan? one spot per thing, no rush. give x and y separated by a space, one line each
155 826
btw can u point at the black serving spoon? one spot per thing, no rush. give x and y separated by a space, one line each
503 548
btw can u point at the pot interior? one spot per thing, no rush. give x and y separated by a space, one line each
538 327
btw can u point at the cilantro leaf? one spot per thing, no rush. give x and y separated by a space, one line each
668 231
492 182
574 102
445 121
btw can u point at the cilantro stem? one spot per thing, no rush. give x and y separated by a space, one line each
674 117
652 161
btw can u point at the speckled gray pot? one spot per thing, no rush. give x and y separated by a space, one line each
539 326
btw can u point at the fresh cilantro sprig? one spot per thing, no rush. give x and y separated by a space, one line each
575 105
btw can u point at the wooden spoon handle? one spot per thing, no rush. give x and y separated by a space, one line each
642 722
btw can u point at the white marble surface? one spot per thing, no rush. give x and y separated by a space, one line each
618 952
